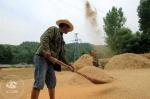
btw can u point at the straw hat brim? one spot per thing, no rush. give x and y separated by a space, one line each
66 22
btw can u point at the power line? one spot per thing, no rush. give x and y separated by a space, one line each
14 32
82 9
90 4
70 5
60 8
64 11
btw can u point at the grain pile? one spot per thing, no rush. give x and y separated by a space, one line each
147 55
84 60
92 72
128 61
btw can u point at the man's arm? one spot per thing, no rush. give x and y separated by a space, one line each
45 39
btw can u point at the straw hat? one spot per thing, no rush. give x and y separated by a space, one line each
66 22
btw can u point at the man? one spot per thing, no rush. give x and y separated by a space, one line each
51 45
95 58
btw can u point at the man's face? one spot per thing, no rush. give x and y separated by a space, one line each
65 29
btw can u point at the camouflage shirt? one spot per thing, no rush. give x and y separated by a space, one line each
52 41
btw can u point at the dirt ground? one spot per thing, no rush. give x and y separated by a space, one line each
127 84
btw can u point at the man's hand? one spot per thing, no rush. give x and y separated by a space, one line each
71 68
47 55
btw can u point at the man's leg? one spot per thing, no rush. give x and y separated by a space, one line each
51 81
51 93
35 93
39 75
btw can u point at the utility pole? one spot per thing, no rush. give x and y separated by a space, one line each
76 47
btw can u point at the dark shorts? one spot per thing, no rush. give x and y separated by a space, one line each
44 73
95 64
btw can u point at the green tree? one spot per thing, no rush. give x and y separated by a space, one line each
135 43
144 16
144 23
113 21
6 55
123 40
84 48
25 52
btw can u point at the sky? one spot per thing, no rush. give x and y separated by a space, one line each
26 20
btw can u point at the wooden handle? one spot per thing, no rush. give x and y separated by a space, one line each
63 64
95 81
67 66
60 63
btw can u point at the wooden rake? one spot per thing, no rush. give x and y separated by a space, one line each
93 80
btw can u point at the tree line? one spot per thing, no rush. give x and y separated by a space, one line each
25 52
